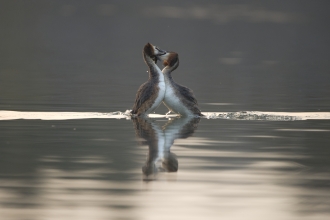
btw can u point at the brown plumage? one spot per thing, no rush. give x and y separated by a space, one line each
151 93
187 103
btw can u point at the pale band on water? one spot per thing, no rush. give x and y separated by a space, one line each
242 115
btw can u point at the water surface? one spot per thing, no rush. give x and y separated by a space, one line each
129 169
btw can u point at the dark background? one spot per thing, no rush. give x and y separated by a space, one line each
86 55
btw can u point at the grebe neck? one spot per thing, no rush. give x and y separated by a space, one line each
153 68
167 70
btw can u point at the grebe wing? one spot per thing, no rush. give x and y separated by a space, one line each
187 94
143 94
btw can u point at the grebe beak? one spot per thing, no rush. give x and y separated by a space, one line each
163 56
161 52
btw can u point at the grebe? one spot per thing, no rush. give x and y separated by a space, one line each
178 99
151 93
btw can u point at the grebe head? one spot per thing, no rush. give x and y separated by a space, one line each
153 51
170 60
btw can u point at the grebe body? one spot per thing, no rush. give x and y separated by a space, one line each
178 98
150 94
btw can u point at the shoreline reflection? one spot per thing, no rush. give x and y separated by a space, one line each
160 140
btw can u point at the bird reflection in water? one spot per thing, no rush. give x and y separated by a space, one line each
160 140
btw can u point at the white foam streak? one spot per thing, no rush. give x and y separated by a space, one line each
244 115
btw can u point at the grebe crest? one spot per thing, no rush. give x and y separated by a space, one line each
170 60
153 51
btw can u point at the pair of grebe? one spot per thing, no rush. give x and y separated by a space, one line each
161 87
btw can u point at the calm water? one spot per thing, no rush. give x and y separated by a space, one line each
60 56
129 169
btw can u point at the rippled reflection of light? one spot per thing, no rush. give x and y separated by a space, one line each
222 13
307 130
